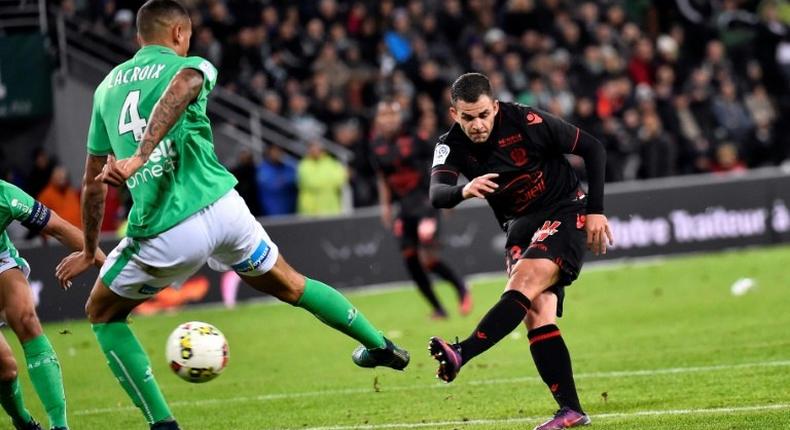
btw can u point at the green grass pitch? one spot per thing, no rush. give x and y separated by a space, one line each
654 346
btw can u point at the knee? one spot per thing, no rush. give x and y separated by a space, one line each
25 323
8 369
530 279
91 311
289 290
96 313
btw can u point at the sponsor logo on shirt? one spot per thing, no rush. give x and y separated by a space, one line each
161 161
15 203
510 140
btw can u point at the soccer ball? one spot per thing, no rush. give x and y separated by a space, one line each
197 351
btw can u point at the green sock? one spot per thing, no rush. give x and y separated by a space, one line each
11 399
129 363
44 370
331 307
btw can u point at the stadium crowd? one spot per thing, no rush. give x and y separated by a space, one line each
671 87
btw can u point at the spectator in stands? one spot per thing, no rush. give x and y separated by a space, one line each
727 159
245 173
730 113
304 121
321 179
61 197
657 150
322 63
276 179
43 164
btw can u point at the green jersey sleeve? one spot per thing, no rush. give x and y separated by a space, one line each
207 69
22 207
98 139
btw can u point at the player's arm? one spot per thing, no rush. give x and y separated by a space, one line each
70 236
94 193
183 89
444 191
573 140
385 200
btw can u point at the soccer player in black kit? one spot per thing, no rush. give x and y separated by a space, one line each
514 156
402 162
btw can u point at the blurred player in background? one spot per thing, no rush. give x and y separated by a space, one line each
18 310
150 112
402 162
514 156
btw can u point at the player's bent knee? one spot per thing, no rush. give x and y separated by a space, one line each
8 368
282 282
24 323
532 277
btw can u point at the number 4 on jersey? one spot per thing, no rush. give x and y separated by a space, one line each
135 124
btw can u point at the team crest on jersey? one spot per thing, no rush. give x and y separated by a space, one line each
440 154
519 156
549 228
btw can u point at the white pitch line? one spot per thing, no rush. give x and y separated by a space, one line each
348 391
475 422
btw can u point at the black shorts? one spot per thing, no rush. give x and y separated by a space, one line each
409 234
558 235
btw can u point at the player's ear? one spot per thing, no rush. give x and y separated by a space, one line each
453 113
178 34
496 106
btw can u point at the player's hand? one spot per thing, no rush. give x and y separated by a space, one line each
599 235
75 264
480 186
116 172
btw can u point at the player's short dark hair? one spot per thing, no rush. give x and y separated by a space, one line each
469 87
155 15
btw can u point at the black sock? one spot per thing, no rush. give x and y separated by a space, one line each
450 276
554 365
420 278
503 318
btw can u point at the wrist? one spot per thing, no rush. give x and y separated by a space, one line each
465 191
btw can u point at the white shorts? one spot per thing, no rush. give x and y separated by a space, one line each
8 261
224 234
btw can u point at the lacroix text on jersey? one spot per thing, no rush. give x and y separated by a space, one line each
162 160
135 74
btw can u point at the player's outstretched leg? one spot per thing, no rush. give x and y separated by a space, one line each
11 391
42 362
553 362
528 279
127 359
334 310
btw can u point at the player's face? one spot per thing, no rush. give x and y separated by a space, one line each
476 119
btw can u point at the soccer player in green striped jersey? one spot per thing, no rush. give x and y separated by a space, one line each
149 130
18 306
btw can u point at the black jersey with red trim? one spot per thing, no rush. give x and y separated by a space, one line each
526 148
405 163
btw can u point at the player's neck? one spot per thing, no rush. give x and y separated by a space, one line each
159 43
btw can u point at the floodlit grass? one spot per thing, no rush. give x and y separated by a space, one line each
660 346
